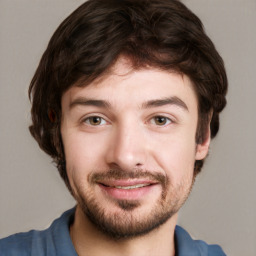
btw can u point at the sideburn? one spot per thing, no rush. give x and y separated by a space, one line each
59 159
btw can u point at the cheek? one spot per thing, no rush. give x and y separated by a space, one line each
176 156
83 152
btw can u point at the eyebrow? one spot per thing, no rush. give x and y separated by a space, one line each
149 104
166 101
89 102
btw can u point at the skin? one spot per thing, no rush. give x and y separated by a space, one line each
131 121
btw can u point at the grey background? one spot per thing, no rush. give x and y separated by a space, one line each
222 206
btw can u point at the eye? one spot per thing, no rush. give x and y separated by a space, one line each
160 120
95 121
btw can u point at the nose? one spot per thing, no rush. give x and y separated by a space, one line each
127 148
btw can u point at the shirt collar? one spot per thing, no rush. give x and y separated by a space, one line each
60 230
184 244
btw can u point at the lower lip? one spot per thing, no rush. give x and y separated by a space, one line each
128 194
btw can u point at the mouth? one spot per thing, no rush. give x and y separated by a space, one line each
130 187
127 189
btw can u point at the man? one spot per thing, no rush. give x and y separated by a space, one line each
126 99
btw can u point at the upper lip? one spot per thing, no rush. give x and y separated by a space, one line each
127 182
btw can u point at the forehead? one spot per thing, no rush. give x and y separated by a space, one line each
126 85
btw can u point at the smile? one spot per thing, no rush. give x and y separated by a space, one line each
128 189
131 187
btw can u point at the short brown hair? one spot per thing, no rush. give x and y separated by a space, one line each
157 33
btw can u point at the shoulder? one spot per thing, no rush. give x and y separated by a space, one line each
185 245
23 244
209 250
53 241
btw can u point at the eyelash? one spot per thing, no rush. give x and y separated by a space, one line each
167 120
154 120
88 120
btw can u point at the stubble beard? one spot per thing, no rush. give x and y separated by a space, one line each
126 223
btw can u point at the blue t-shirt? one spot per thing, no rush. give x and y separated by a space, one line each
56 241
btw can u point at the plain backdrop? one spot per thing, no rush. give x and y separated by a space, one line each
222 206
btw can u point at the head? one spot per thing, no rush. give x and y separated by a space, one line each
89 44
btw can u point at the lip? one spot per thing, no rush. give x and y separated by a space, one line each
127 182
132 189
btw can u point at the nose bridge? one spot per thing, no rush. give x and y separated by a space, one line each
128 148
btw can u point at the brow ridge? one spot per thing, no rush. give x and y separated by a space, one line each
89 102
173 100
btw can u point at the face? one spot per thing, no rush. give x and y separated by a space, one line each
129 142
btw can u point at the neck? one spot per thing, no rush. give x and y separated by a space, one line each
88 240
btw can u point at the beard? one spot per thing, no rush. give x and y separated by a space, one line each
126 223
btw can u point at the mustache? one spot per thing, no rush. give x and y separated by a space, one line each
118 174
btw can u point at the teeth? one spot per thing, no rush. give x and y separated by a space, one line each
132 187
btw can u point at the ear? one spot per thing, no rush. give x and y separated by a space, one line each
203 148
